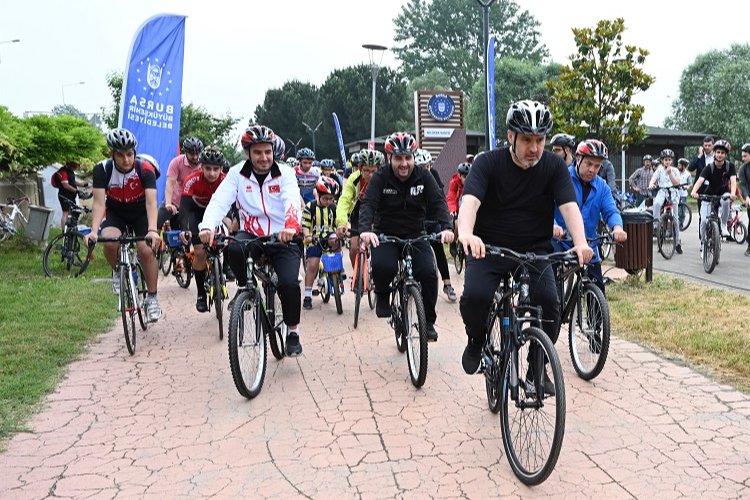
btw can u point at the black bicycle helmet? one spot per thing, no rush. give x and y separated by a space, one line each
121 139
192 145
563 140
212 156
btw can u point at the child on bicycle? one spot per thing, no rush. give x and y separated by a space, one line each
667 176
318 221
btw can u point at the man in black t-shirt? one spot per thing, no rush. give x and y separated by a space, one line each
509 200
717 178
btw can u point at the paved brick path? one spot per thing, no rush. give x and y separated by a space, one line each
344 421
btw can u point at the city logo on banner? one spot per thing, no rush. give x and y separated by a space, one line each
148 107
441 107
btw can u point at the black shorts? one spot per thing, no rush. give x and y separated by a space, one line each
66 203
194 218
137 222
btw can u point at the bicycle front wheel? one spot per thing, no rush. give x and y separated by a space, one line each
66 255
415 329
181 268
459 259
247 345
666 237
127 308
333 280
165 262
686 215
588 332
711 246
492 372
217 294
370 286
533 408
358 288
739 233
605 247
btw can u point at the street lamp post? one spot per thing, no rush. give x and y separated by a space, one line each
15 40
374 67
312 132
485 36
622 166
62 88
296 145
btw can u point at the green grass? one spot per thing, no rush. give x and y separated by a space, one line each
44 325
706 327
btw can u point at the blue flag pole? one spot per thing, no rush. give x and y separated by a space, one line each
341 140
152 89
490 89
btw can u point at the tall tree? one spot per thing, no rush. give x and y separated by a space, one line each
714 95
196 121
594 93
284 109
514 80
447 34
68 109
112 113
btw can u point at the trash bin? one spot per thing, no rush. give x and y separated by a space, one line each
636 253
39 222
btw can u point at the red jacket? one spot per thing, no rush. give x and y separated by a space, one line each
455 190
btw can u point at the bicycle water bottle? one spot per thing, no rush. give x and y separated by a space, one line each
135 277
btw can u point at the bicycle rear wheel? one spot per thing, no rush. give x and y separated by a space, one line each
685 214
247 345
165 262
398 306
459 259
217 293
666 236
711 246
605 247
415 329
127 308
492 372
739 233
66 255
533 422
358 287
588 332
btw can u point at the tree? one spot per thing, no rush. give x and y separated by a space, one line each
594 93
68 109
447 34
714 94
435 79
15 138
112 113
284 109
514 80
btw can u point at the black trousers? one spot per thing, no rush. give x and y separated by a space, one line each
441 260
285 260
385 266
482 278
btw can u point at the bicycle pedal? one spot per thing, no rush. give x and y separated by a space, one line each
316 292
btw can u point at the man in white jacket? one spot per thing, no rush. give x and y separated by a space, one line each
268 202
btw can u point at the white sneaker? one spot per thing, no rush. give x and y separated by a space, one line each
153 311
724 231
115 282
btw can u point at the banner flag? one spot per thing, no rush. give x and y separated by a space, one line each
491 90
152 90
341 140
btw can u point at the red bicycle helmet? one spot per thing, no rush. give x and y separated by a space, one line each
400 143
257 134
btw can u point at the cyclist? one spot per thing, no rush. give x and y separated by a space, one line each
347 211
318 221
179 169
639 180
744 178
423 159
667 176
328 169
704 157
67 187
595 201
267 197
353 165
197 191
563 146
455 190
126 187
719 177
509 200
398 201
307 174
279 148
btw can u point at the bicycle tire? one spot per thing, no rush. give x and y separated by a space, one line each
685 214
217 294
415 329
358 284
181 267
739 233
589 346
492 381
247 360
336 286
66 255
127 309
666 237
141 292
397 319
605 247
370 286
325 290
519 456
711 246
459 259
275 327
165 262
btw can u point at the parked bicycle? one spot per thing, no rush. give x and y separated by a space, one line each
362 281
66 254
514 358
9 216
407 310
132 291
737 229
256 316
711 242
330 273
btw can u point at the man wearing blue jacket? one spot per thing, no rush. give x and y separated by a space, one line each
595 201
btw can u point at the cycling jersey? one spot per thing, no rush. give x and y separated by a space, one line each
351 196
126 192
65 174
320 221
306 182
197 187
455 190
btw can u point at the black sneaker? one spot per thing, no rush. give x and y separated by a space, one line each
549 387
432 335
201 305
383 306
450 293
293 347
472 357
678 249
307 303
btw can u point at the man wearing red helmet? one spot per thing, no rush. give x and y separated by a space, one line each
398 200
268 201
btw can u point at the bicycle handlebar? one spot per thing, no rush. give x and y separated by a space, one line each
125 239
529 257
713 197
395 239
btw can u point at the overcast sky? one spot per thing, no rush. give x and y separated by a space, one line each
235 51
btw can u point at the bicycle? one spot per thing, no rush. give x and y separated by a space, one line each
132 286
711 241
509 349
584 307
66 253
407 310
8 220
330 272
605 244
258 305
162 253
737 229
459 256
215 283
180 258
666 228
362 281
685 213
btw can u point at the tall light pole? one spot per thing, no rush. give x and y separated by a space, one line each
485 36
374 67
296 145
312 131
15 40
62 88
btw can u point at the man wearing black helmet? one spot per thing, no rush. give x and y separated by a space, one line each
563 146
179 168
509 200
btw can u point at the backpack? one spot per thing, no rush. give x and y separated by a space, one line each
55 181
109 165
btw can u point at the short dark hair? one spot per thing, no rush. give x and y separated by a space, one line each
709 138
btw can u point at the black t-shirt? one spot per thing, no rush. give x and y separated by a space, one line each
717 179
518 205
